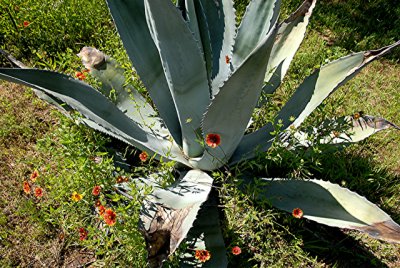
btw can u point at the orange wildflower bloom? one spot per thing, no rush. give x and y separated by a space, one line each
120 179
213 140
297 213
143 156
110 218
82 234
227 59
27 187
97 203
38 192
336 134
26 23
80 75
76 197
236 250
96 190
102 209
202 255
34 175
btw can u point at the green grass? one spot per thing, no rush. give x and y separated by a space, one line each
32 136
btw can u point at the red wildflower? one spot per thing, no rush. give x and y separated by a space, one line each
102 209
236 250
80 75
82 234
26 23
27 187
120 179
213 140
297 213
357 115
336 134
96 190
110 217
34 175
227 59
143 156
38 192
97 203
202 255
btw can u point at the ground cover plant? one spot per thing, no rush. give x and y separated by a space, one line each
216 140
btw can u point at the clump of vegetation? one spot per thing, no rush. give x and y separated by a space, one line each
214 137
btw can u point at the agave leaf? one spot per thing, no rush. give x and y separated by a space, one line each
231 109
129 17
360 128
94 106
126 97
220 18
205 38
187 78
291 33
168 214
332 205
323 82
206 234
259 19
191 17
62 107
308 96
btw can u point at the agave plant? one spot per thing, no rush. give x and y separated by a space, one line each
205 77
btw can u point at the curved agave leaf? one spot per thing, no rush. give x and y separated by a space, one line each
308 96
129 17
323 82
259 19
94 106
360 128
332 205
184 68
231 109
204 38
168 214
126 97
62 107
206 234
191 17
220 18
291 33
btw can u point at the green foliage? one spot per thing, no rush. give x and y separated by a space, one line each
302 163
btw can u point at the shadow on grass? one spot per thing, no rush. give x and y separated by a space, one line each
333 246
359 24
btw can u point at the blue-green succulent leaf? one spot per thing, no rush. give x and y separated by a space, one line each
361 127
206 234
168 214
259 19
231 109
220 18
330 204
205 38
129 17
317 87
126 97
308 96
184 68
94 106
290 34
62 107
191 17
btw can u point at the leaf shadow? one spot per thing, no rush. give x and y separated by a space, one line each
333 246
358 24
